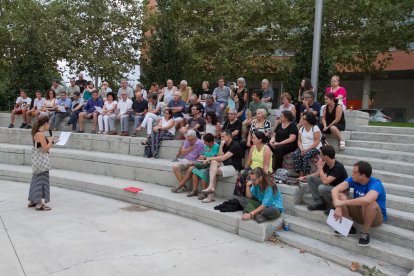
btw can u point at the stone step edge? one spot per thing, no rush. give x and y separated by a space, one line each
336 254
383 151
371 160
154 196
392 254
383 134
401 235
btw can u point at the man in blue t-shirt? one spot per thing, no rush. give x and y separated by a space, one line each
368 204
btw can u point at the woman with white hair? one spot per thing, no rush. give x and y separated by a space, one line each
185 91
241 91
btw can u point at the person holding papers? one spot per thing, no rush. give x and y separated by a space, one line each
368 206
329 174
63 105
106 118
124 108
90 112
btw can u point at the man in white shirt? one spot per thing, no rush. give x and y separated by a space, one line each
35 111
22 105
124 108
125 88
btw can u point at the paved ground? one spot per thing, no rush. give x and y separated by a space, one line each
90 235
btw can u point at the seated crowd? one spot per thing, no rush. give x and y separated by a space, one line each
220 128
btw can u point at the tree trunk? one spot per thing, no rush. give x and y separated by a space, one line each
96 76
365 90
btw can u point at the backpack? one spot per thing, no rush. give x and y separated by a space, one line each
281 176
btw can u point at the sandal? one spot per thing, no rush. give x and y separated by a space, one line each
176 189
201 196
192 193
207 192
43 208
208 199
31 204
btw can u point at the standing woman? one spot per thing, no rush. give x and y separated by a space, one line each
338 91
39 192
309 142
333 119
305 85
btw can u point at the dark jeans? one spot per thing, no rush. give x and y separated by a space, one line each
74 118
279 152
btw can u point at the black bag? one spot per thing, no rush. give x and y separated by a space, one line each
240 187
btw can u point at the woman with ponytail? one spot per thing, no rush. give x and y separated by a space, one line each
263 199
39 192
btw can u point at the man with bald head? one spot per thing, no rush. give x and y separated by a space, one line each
125 88
81 82
167 93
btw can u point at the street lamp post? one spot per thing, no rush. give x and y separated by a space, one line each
316 45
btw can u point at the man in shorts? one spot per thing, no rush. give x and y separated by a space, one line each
227 163
368 206
192 148
21 107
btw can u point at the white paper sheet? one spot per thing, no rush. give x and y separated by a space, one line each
61 108
63 139
342 227
99 109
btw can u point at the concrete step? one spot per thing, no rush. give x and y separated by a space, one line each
399 190
383 137
158 171
386 233
384 129
154 196
395 217
94 142
399 156
381 145
379 164
382 251
337 254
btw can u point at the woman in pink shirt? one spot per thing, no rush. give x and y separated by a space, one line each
338 91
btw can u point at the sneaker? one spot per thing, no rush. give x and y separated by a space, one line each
93 132
11 126
28 127
317 206
23 125
259 218
352 231
363 239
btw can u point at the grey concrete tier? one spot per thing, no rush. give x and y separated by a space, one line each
337 254
386 232
379 164
398 218
95 142
384 129
399 190
381 145
157 171
383 137
154 196
383 251
398 156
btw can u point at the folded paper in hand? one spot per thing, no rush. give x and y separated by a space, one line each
97 108
61 108
133 189
342 227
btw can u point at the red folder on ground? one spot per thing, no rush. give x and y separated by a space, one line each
133 189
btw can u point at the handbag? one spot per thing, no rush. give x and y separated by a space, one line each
200 165
281 176
40 161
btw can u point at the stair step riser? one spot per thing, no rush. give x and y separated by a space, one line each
392 219
390 138
379 145
378 165
352 245
387 130
397 156
377 233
